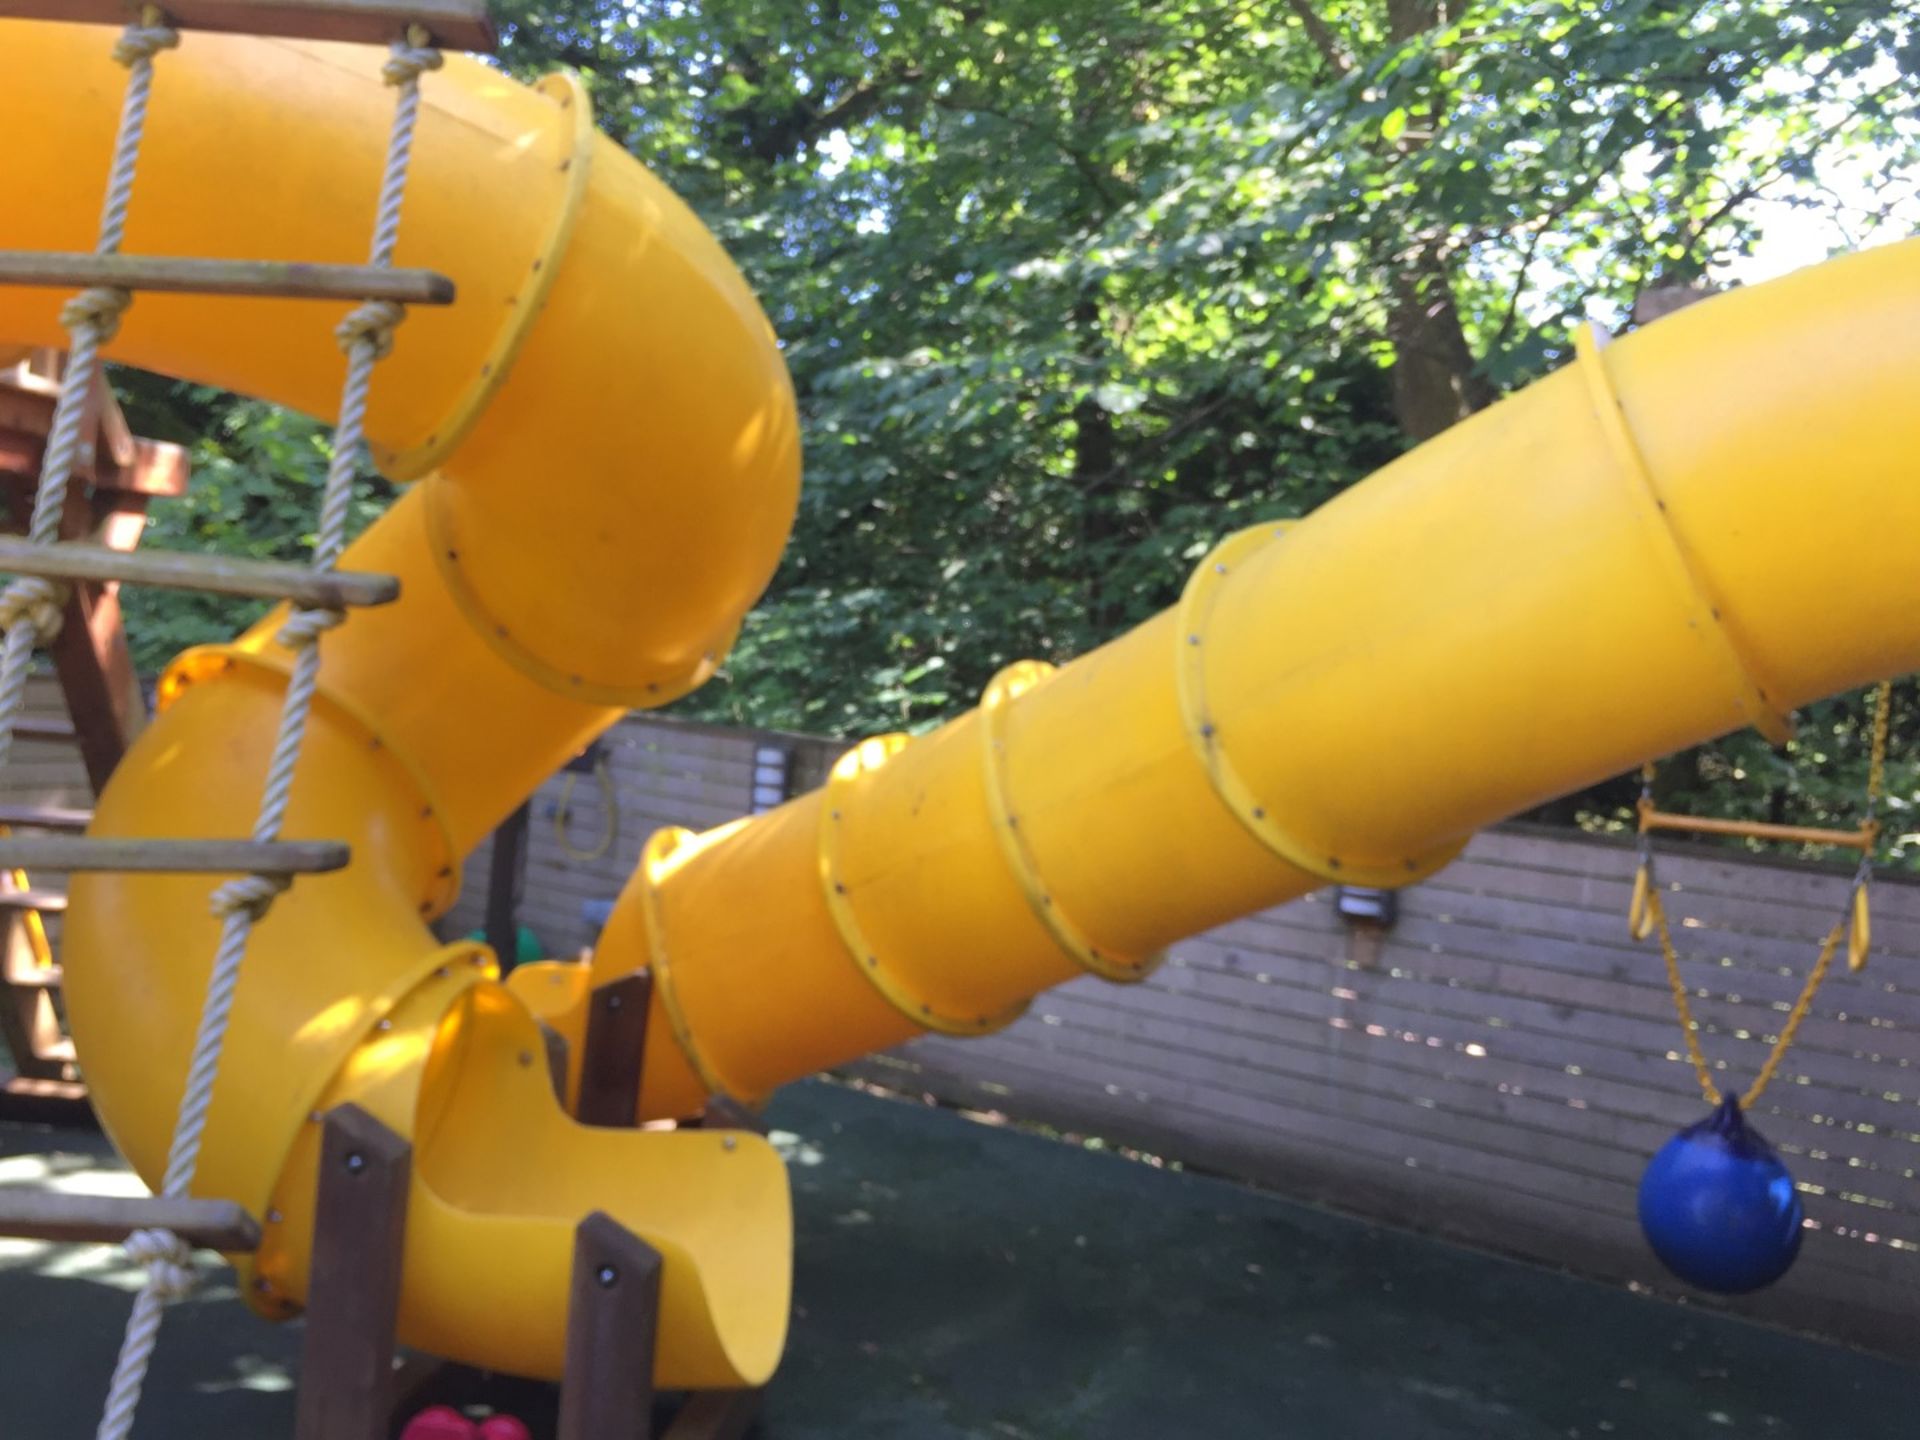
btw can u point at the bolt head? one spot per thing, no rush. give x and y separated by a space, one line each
607 1276
356 1162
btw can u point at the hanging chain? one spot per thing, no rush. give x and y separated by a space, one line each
1702 1068
1648 914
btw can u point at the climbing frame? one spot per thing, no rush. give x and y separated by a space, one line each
32 607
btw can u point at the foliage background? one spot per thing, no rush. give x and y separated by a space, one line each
1069 291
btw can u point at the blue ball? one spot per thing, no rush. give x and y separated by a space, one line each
1718 1206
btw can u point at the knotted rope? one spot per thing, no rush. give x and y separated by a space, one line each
30 609
366 336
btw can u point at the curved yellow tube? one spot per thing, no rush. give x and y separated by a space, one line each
1679 534
609 447
1676 536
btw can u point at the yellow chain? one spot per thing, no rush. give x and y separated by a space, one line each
1687 1024
1877 769
1701 1068
1800 1009
1657 913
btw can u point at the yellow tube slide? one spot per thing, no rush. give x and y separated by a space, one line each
607 436
1693 529
1678 535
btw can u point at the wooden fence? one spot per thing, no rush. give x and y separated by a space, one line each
1496 1072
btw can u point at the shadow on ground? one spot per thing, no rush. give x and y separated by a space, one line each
961 1282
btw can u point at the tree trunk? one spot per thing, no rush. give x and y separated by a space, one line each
1435 380
1095 461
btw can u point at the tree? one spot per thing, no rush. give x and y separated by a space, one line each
1069 291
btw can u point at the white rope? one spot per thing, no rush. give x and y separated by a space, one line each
30 608
366 335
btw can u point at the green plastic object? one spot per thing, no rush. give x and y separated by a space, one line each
526 946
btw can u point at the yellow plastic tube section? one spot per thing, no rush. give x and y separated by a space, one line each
608 445
1693 529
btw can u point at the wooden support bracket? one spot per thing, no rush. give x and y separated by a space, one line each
612 1321
616 1051
353 1289
349 1387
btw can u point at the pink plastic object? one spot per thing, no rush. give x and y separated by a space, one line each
503 1427
442 1422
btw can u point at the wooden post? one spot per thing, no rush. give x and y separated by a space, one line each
615 1051
612 1323
557 1056
504 869
353 1290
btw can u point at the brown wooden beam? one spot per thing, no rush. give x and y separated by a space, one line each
353 1289
615 1052
90 654
47 902
30 976
107 1219
454 24
612 1326
259 279
557 1054
28 1101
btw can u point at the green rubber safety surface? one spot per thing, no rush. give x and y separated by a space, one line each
958 1281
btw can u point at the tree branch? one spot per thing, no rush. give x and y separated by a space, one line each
807 122
1322 36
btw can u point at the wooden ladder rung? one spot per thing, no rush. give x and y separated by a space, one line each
173 857
104 1219
47 902
454 24
212 574
43 817
262 279
60 1051
35 977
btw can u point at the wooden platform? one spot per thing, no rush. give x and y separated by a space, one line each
454 24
